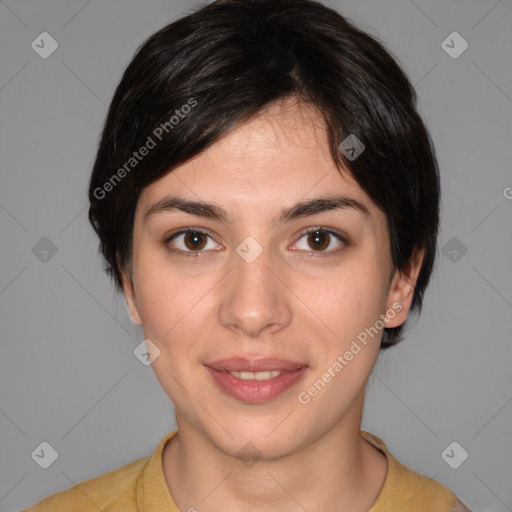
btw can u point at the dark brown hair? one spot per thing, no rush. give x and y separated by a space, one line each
201 76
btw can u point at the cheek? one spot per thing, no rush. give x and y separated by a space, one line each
173 308
346 301
166 301
349 305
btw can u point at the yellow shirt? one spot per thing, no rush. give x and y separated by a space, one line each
140 487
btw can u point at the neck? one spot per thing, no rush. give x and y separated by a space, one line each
339 471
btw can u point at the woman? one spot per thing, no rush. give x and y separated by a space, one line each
267 199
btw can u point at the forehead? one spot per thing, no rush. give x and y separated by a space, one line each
277 158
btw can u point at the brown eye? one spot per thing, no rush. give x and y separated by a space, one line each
194 240
319 240
191 242
325 241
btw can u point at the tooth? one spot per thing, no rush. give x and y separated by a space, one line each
263 375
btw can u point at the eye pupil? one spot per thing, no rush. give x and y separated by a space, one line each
319 238
195 237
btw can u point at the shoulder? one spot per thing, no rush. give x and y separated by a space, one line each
112 491
421 493
408 491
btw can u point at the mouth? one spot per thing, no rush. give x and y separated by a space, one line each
255 381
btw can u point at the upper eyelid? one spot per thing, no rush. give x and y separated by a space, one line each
182 231
333 231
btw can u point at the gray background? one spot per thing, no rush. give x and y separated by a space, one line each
68 374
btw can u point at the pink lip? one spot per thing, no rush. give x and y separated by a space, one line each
255 391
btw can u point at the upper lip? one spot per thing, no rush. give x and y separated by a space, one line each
241 364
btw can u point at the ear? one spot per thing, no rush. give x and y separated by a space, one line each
401 290
129 296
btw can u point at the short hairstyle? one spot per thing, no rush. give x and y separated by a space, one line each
203 75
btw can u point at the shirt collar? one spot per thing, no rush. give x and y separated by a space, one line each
152 492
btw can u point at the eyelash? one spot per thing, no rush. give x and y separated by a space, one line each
311 254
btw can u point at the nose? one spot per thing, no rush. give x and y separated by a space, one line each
254 301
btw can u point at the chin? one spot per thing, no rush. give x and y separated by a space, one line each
271 437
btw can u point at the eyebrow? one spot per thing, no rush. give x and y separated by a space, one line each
296 211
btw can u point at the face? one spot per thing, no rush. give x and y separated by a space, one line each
262 285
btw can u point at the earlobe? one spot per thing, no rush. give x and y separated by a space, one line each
130 301
401 290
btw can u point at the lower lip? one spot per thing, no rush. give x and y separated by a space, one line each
255 391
